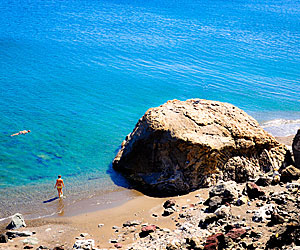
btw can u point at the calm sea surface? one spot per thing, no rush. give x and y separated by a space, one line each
79 74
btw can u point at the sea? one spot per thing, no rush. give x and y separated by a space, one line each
80 73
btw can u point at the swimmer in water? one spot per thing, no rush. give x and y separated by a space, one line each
23 132
59 185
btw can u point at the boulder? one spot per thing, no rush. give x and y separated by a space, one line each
290 173
296 149
185 145
17 221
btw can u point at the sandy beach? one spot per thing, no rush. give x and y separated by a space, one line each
104 225
64 230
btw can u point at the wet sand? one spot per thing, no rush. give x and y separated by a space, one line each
65 229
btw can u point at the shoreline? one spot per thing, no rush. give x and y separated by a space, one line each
64 229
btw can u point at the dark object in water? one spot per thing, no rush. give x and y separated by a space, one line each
296 149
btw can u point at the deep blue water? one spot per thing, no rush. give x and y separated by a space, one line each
79 74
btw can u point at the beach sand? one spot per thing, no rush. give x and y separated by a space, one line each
64 230
53 232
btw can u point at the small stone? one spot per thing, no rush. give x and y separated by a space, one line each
84 244
118 245
42 247
154 215
30 241
17 221
169 203
100 225
14 234
59 248
236 233
113 241
131 223
84 234
3 238
253 190
168 211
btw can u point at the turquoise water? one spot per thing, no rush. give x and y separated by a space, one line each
79 74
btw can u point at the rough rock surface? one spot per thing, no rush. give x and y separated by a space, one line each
184 145
296 148
17 221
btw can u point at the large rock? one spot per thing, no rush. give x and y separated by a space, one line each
184 145
296 149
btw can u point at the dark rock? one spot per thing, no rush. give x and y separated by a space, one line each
255 235
296 149
215 242
213 203
226 190
276 219
182 146
194 243
210 218
14 234
264 181
3 238
27 247
253 191
59 248
43 247
131 223
169 203
236 234
286 235
17 221
290 173
168 211
146 230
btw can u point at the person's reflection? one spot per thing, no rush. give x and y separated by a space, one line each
60 207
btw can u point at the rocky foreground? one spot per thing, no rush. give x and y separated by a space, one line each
261 214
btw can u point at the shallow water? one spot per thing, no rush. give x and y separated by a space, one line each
80 74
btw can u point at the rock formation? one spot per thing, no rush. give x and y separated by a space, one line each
296 149
181 146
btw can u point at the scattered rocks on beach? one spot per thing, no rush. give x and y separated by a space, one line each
181 146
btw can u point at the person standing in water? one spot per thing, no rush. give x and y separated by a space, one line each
59 185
